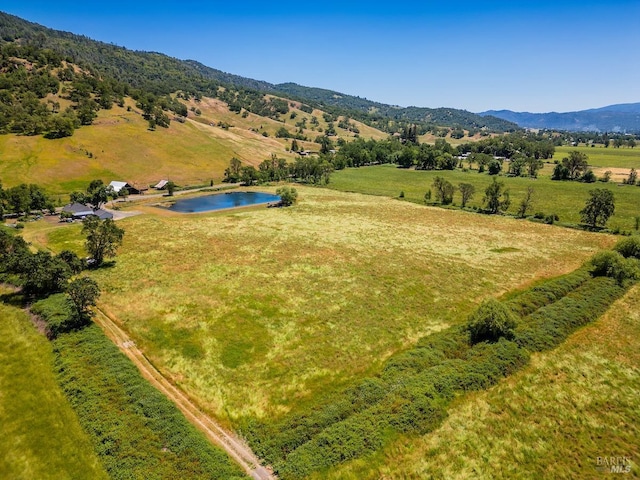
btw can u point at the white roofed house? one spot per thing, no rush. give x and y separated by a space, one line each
117 186
133 189
161 184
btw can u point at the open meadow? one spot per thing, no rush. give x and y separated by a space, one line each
564 199
601 157
40 436
258 311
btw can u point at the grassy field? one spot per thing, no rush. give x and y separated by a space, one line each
601 157
255 312
565 199
119 146
553 419
136 431
40 436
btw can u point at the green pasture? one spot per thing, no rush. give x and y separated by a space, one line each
258 312
564 199
602 157
40 436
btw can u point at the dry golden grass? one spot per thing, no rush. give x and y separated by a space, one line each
119 146
253 311
551 420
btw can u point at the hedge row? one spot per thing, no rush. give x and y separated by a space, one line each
414 388
550 325
136 431
548 292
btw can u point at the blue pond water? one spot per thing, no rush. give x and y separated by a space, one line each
220 201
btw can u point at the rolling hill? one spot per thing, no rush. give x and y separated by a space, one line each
161 74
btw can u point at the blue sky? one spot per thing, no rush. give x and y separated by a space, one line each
536 56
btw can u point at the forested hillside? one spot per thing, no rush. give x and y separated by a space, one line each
149 75
435 116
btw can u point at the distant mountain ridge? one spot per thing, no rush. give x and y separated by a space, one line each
623 118
439 116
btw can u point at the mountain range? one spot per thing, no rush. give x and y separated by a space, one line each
621 118
160 74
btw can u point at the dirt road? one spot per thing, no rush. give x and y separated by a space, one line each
235 447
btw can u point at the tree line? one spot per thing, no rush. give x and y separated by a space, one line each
310 169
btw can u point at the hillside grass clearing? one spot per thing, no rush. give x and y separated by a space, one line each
256 312
564 199
119 146
40 436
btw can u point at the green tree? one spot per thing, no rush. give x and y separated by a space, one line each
495 166
171 187
61 126
496 198
98 193
43 274
560 172
103 238
82 294
123 193
326 144
467 191
75 263
443 190
533 166
18 198
599 207
288 196
407 156
490 322
248 175
526 203
576 164
79 197
232 173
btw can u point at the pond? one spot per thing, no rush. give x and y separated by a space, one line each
220 201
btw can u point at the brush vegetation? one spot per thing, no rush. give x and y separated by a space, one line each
553 418
133 428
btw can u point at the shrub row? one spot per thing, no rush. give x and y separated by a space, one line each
136 431
548 292
551 325
417 405
414 388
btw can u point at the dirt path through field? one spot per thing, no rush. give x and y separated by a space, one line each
231 444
